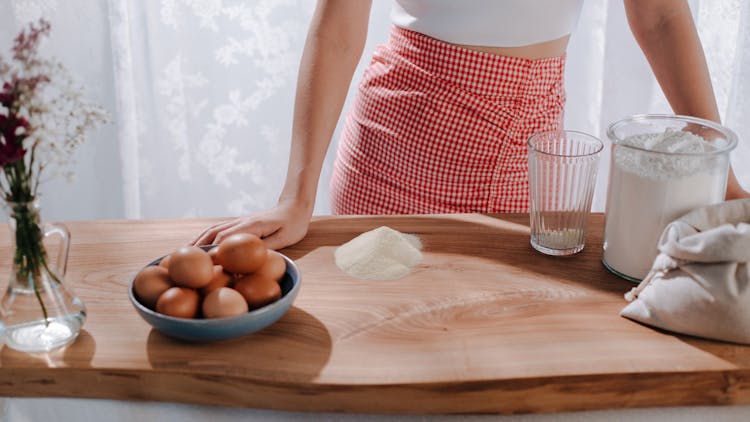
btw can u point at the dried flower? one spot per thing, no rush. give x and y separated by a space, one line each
43 115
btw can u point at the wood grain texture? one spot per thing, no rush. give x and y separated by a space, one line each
483 324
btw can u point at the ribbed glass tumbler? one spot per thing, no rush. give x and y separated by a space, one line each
562 176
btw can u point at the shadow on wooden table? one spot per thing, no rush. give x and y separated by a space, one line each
295 348
77 354
736 354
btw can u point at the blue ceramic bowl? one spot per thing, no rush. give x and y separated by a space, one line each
211 329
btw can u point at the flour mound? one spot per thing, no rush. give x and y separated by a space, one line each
380 254
661 164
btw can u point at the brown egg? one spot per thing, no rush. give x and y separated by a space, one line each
224 302
258 291
241 253
179 302
191 267
150 283
274 267
165 261
220 279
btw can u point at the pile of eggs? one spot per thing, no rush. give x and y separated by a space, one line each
235 277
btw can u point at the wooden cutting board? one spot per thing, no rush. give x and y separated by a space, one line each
483 324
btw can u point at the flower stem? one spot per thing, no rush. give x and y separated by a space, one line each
30 257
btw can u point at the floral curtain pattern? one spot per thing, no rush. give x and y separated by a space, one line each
220 90
201 93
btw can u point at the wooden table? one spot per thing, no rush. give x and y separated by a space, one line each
483 324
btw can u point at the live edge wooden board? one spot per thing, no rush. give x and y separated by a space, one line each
483 324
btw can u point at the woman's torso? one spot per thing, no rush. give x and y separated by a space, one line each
519 28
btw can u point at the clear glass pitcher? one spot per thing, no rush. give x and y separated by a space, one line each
661 167
38 312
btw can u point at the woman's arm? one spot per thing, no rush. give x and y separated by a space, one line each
334 45
333 48
666 33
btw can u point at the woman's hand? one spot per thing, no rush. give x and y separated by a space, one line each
734 190
739 194
279 227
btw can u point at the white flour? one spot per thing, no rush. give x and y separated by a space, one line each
380 254
648 191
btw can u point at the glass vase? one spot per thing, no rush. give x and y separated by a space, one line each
38 312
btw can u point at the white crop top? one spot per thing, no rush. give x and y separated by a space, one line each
492 23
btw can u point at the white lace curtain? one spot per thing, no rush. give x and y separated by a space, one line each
201 94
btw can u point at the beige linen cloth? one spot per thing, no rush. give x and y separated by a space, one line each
698 284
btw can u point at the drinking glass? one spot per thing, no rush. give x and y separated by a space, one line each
562 176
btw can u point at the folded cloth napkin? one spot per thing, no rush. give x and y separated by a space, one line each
698 284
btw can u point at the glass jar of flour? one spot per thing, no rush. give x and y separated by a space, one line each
661 167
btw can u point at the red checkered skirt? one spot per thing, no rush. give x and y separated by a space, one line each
437 128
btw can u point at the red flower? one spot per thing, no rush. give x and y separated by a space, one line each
11 141
6 95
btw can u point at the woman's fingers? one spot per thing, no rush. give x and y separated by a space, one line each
208 235
276 240
258 228
219 232
286 235
279 228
